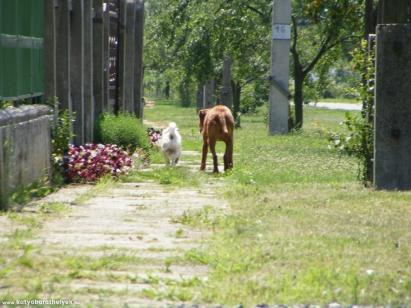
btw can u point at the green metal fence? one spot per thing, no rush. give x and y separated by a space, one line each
21 49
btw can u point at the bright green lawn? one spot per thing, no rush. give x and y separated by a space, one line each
339 100
301 228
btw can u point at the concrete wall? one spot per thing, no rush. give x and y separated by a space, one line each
25 148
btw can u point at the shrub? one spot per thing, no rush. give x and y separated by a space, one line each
253 95
92 161
359 141
124 130
61 136
6 104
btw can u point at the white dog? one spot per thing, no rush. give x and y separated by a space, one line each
170 144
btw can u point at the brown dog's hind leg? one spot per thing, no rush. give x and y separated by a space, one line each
226 163
228 156
215 161
204 155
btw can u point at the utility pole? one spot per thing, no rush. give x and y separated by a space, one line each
392 143
280 68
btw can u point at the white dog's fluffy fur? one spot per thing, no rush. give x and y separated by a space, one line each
170 144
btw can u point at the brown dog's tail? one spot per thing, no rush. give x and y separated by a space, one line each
223 123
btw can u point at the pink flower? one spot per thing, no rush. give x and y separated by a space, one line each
89 162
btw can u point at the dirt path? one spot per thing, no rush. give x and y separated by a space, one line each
127 243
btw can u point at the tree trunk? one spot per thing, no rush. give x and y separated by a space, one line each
298 98
184 90
167 89
236 86
209 94
200 97
227 90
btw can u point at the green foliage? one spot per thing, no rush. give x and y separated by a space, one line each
24 194
6 104
124 130
254 95
358 140
188 39
185 90
299 228
321 30
62 134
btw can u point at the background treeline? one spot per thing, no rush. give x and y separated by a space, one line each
186 41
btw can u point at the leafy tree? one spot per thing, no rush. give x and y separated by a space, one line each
187 39
197 35
319 27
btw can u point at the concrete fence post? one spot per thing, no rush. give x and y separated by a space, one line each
138 64
77 69
122 61
129 55
88 72
394 11
106 59
392 152
63 61
98 58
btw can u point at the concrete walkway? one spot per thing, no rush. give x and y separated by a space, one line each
138 224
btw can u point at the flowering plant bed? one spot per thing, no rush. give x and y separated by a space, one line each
154 135
89 162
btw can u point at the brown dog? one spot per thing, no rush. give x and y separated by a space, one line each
217 124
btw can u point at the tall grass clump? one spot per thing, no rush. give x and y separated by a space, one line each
124 130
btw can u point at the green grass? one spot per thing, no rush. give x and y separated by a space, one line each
301 228
339 100
24 194
178 176
102 185
185 118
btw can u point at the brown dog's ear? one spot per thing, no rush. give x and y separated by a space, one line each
202 113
